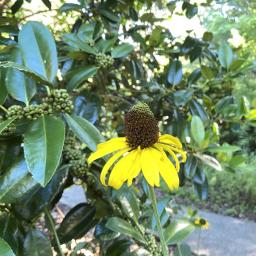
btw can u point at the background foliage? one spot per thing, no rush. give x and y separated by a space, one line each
66 85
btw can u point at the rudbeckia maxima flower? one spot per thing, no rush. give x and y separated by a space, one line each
142 149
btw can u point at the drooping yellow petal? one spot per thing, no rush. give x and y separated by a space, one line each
121 170
135 168
177 163
106 148
169 173
169 139
149 165
169 147
109 163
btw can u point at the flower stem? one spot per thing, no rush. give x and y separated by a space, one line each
158 222
53 230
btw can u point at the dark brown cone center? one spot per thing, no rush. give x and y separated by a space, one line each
141 129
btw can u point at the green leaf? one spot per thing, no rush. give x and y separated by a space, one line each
225 148
225 55
122 50
109 15
47 3
207 72
16 6
37 244
30 206
84 130
175 72
74 41
30 73
198 110
210 161
78 221
70 7
105 45
79 75
39 50
177 231
121 226
43 144
197 130
16 182
118 247
129 202
182 250
18 85
181 97
5 124
10 231
5 249
3 91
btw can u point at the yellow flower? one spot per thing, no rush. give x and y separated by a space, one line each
142 149
202 223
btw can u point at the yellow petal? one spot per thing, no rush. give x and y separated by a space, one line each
169 174
135 168
169 139
121 170
115 140
149 165
169 147
106 148
109 163
177 163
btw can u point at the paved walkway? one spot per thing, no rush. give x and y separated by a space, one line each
226 236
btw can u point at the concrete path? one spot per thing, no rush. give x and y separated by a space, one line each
226 236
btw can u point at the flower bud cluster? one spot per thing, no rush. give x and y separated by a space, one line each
104 60
153 248
75 156
60 101
31 112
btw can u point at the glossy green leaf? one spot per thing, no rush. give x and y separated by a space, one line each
210 161
197 129
79 75
16 6
30 73
105 45
39 50
78 221
70 7
129 202
102 233
43 144
10 231
119 225
118 247
18 85
109 15
175 72
75 42
225 148
182 250
5 249
197 109
225 55
5 124
30 206
16 182
84 130
3 91
37 244
182 97
47 3
122 50
177 231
